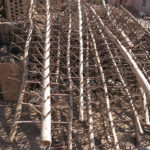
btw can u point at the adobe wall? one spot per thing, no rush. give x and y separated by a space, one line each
117 2
138 5
1 3
5 34
10 80
7 31
113 2
16 9
129 3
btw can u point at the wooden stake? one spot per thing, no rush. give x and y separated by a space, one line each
116 144
126 38
137 121
135 20
89 107
144 71
25 74
136 70
58 74
70 79
81 117
46 138
145 107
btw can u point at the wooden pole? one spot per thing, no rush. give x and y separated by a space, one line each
116 143
105 124
46 138
146 112
136 70
89 107
70 79
126 38
25 74
58 48
137 121
81 117
128 13
145 107
58 75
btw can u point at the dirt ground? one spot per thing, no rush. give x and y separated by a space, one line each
28 135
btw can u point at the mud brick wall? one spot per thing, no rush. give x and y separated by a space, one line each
19 34
16 9
1 2
5 34
11 32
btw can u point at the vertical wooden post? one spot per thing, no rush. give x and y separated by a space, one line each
81 117
146 112
135 114
145 107
58 73
46 138
89 107
25 74
70 79
135 69
116 143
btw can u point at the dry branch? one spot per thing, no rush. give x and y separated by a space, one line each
25 75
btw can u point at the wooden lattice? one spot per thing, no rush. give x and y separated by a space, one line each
86 74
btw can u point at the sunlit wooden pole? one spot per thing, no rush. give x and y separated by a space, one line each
145 107
129 42
137 121
89 101
81 117
58 117
46 137
125 37
134 67
116 142
69 77
25 74
146 31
